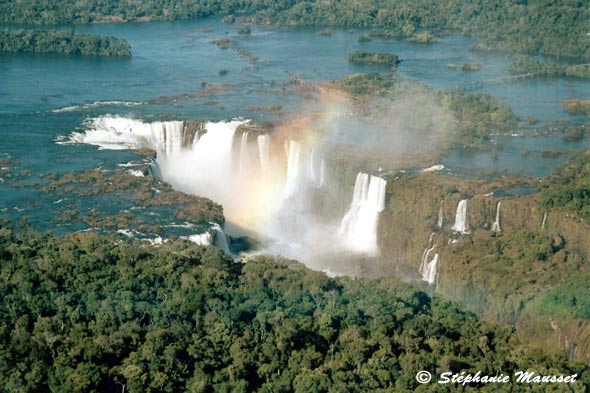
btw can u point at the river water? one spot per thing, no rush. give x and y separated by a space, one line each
46 97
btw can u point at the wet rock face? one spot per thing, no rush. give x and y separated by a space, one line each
499 275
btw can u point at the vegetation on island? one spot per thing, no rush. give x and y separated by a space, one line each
471 66
478 115
85 313
569 186
542 27
64 41
524 64
373 58
576 106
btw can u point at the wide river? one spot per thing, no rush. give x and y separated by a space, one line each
45 97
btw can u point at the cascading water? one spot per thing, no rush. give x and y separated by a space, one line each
544 221
272 198
427 267
496 224
263 151
311 175
293 150
322 173
461 222
244 153
439 221
358 228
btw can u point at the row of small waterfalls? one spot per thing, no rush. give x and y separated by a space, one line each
429 262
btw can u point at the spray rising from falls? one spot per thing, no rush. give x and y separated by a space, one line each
461 222
496 224
269 184
358 228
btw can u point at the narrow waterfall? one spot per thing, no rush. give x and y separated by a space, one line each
496 224
293 149
427 267
311 175
244 153
322 173
439 222
358 227
544 221
263 151
461 222
221 240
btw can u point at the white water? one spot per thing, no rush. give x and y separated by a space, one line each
496 224
263 151
221 240
244 153
439 222
293 150
434 168
322 173
202 239
461 222
358 228
427 267
311 175
544 221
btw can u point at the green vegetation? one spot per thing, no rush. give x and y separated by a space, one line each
371 84
83 313
576 106
244 30
373 58
540 27
478 115
423 37
62 41
569 186
524 64
324 33
471 67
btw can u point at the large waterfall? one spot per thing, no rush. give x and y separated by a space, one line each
461 222
358 228
268 185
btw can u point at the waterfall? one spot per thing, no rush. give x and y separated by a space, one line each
439 222
496 224
293 148
263 151
202 239
544 221
221 240
461 222
244 153
427 267
311 175
322 173
358 227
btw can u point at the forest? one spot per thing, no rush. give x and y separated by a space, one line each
85 313
545 27
64 41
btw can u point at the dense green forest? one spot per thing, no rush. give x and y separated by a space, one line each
62 41
85 313
538 27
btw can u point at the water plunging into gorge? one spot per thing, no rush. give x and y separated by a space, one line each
267 183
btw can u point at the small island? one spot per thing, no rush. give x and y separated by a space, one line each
64 41
373 58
